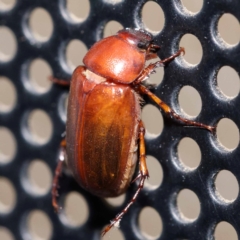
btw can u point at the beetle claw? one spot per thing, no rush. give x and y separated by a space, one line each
182 50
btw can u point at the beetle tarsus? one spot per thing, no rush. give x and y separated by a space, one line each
191 123
211 129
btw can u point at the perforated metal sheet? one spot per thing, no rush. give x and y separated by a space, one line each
163 147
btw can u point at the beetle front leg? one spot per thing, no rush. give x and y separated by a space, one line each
173 114
57 174
150 69
143 174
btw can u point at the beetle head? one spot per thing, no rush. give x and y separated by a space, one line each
141 40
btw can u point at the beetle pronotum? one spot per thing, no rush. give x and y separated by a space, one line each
104 127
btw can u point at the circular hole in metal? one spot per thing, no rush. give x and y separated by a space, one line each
7 145
228 134
190 101
228 81
229 29
39 177
39 73
189 153
8 44
5 234
156 24
150 223
226 185
78 10
6 5
193 6
7 196
188 205
75 210
114 233
7 95
116 201
39 126
111 28
193 49
75 51
153 24
152 119
39 225
40 24
225 230
155 172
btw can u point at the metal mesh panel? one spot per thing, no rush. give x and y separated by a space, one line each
164 147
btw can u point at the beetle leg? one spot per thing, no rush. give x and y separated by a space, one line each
173 114
150 69
143 174
57 174
59 81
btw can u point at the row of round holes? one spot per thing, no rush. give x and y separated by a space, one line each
226 184
39 225
187 149
43 30
223 229
39 71
81 11
8 96
40 86
40 78
76 50
38 130
78 11
37 185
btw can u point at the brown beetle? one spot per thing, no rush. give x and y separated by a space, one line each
103 119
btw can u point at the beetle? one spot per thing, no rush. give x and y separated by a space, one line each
104 129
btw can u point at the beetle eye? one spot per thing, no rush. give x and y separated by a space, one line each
153 48
142 45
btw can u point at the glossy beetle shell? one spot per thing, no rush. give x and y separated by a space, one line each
101 134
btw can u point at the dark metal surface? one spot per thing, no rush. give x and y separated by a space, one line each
201 77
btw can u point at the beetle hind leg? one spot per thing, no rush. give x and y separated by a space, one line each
57 174
143 174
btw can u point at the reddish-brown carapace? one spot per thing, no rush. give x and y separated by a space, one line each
104 130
